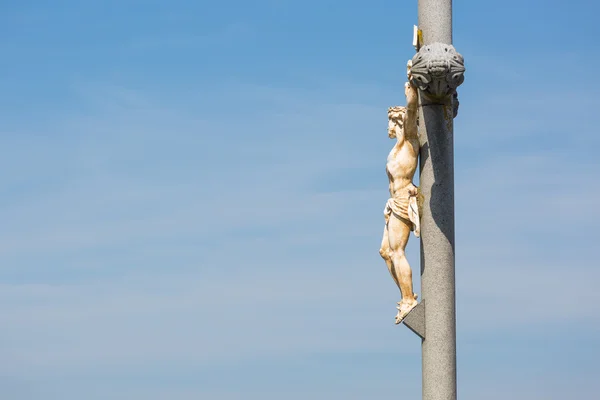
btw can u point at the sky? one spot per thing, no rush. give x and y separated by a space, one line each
191 200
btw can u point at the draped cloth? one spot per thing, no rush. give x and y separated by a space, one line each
404 207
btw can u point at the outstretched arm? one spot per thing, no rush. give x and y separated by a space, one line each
412 110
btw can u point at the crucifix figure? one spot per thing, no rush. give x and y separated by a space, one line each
401 210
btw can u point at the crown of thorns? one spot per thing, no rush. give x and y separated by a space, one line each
396 110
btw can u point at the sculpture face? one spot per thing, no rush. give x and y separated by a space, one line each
395 121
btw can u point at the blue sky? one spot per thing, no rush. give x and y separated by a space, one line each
192 192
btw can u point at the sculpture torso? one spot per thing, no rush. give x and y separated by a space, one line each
402 164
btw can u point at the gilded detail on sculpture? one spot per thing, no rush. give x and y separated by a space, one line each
401 211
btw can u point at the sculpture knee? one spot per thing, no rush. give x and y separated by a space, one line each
397 254
384 252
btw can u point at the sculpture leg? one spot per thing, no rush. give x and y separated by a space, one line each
399 231
384 251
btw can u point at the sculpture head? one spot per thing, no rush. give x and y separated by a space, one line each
395 120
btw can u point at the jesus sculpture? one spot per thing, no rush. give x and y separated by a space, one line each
401 211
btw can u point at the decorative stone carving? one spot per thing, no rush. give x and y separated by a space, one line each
437 69
401 211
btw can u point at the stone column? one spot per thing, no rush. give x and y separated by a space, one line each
437 69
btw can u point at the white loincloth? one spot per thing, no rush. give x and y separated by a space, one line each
404 207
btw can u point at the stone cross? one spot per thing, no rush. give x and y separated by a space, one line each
436 70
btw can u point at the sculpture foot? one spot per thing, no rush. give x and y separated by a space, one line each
404 307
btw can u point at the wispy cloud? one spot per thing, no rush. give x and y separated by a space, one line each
259 281
173 236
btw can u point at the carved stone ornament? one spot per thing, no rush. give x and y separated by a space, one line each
437 69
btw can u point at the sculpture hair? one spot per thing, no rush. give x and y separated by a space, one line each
396 112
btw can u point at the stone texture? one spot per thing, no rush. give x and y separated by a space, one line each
435 21
437 69
437 219
437 252
415 320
